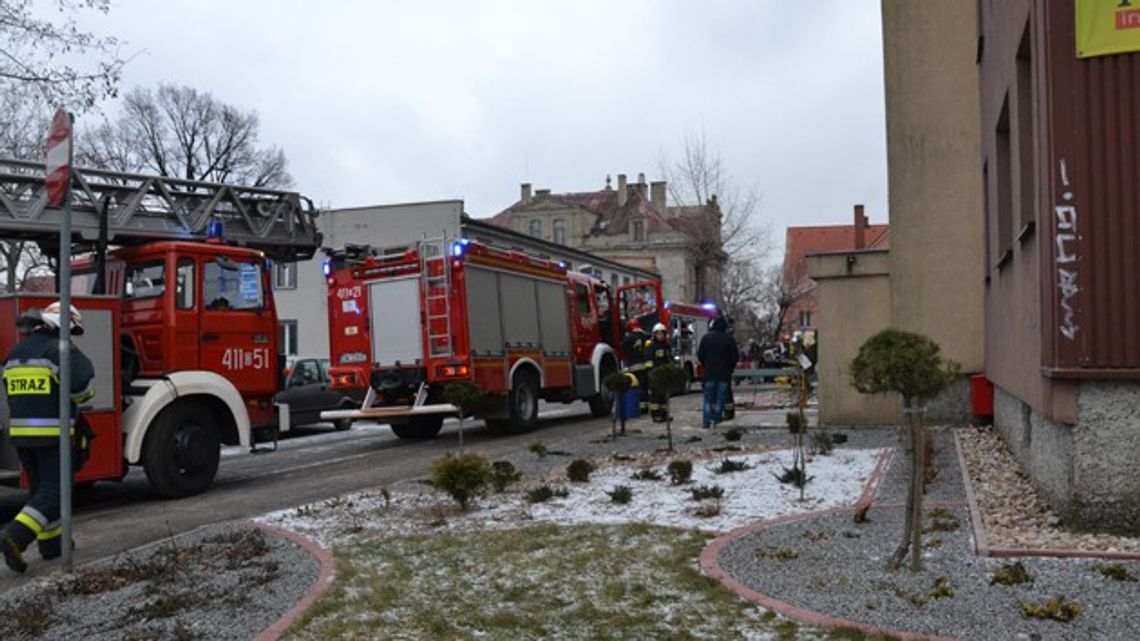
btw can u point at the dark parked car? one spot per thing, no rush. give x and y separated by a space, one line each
308 391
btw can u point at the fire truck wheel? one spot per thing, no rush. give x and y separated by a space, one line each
181 451
418 428
602 404
523 400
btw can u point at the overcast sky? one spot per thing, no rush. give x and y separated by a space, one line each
382 102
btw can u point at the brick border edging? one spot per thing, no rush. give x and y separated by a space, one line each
317 590
712 568
981 540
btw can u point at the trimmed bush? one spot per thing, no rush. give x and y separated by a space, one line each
544 493
503 474
463 477
621 494
680 471
579 470
707 492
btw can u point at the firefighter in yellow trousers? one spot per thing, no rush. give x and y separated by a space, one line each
31 379
658 352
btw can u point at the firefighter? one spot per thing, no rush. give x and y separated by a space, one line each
633 357
31 378
658 352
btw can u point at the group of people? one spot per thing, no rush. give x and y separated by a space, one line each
716 353
31 382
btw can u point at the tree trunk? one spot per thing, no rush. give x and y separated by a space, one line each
918 486
908 524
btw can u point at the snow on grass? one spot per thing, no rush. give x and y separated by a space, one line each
749 495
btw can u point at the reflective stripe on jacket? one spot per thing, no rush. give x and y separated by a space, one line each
31 379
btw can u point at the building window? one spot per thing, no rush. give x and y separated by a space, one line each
285 276
560 231
1004 170
805 318
639 230
287 337
1024 132
536 228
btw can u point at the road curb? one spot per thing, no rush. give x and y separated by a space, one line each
317 590
982 545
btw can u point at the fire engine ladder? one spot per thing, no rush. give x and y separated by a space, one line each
435 287
136 209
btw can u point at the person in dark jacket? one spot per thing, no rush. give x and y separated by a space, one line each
658 352
717 354
633 344
31 379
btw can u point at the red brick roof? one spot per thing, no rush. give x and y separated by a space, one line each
802 241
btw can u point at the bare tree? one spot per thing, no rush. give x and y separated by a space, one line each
185 133
23 127
782 287
62 62
727 238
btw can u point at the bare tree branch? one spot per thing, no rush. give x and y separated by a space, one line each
62 62
185 133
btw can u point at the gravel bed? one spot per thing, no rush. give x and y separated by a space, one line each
833 566
1012 512
228 581
947 484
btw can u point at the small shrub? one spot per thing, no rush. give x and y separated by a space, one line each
728 466
794 476
1115 571
1056 609
779 554
461 477
621 494
680 471
821 443
579 470
648 474
839 438
544 493
942 520
618 383
733 434
707 492
539 449
503 474
1011 574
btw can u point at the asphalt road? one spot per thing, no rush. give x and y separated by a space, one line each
314 465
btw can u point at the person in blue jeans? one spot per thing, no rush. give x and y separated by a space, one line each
717 355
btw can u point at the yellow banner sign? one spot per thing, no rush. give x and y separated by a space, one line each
1105 27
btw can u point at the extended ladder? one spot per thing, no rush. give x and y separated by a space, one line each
435 292
141 209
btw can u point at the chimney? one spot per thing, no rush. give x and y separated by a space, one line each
860 228
657 196
641 186
542 192
524 197
623 195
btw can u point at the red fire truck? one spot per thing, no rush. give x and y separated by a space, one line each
688 325
405 324
179 316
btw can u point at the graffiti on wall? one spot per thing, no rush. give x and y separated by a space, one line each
1066 258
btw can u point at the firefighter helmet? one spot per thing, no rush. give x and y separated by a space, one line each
51 317
660 327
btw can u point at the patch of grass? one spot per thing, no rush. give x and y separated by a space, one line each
29 618
405 587
778 554
728 466
647 474
1011 574
787 630
1056 609
942 520
733 434
680 471
940 590
1114 571
621 494
579 470
544 493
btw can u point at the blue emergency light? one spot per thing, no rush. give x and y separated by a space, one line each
216 230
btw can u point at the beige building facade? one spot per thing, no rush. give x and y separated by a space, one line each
846 281
630 224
